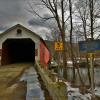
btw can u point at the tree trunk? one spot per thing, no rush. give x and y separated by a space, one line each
88 69
71 44
91 17
64 57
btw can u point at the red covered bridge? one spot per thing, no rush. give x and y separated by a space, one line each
19 44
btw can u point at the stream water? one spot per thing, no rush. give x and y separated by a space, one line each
82 75
74 93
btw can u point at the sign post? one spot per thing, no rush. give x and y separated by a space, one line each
92 75
58 46
90 47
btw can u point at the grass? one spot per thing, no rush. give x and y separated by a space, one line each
9 81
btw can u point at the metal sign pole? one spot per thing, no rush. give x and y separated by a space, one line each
92 75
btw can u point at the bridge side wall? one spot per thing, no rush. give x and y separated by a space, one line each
57 90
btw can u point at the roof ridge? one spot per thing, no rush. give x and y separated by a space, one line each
19 25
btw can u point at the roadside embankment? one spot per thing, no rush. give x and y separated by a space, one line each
57 90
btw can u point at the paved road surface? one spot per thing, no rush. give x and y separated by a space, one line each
20 82
34 91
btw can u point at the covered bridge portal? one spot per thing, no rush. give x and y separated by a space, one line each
18 50
19 44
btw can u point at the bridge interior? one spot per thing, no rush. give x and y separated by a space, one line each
17 51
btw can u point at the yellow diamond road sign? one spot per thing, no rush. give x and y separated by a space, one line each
58 46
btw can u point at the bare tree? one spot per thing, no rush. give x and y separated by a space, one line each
58 9
71 34
87 12
91 7
82 8
84 15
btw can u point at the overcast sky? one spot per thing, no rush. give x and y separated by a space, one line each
14 12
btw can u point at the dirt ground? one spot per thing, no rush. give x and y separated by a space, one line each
10 87
15 92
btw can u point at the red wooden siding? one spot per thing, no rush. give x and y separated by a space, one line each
36 52
0 52
44 54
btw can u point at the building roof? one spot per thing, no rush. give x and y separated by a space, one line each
19 25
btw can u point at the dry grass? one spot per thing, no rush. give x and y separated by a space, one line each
10 87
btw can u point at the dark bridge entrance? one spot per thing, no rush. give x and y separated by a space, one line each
18 50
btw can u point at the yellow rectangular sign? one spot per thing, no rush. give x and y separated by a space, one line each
59 46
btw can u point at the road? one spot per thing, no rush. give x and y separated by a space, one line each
34 91
20 82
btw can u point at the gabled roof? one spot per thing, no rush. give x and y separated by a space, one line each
19 25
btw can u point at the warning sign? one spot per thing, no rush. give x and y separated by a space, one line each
59 46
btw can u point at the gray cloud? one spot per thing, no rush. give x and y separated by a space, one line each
47 15
37 22
2 28
14 11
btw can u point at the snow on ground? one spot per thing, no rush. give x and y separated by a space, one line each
74 93
97 91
